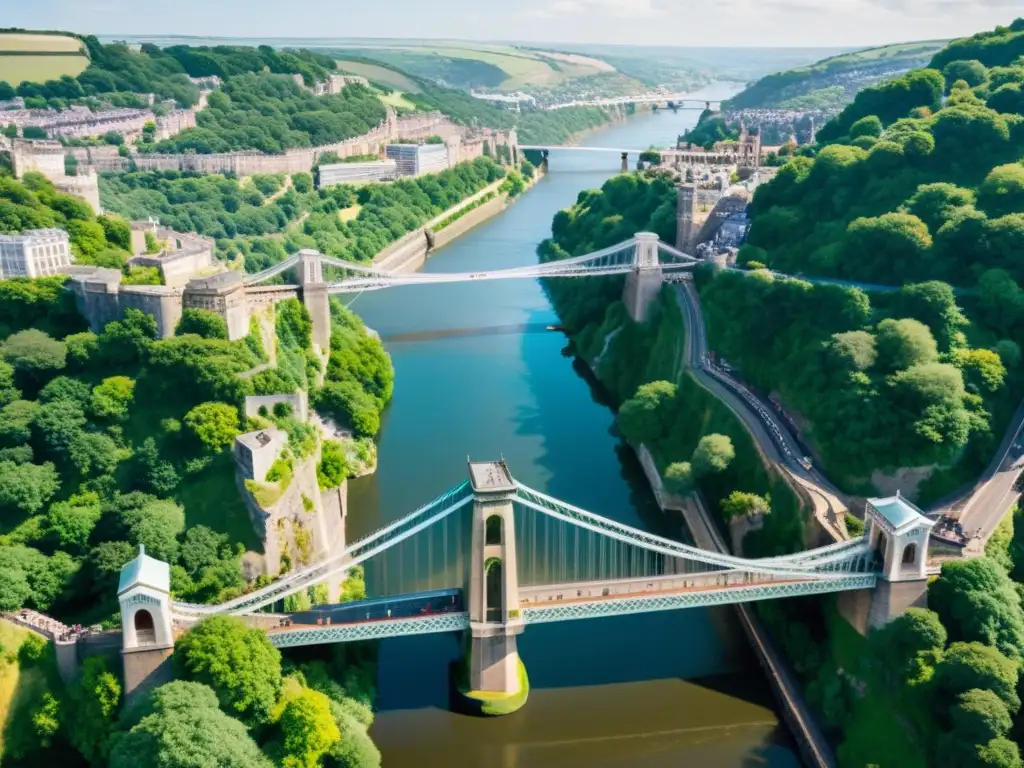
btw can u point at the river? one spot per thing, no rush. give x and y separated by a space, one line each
477 374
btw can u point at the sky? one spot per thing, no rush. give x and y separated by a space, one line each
797 23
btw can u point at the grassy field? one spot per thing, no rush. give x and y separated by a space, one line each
524 67
350 213
17 41
39 57
380 74
397 100
16 687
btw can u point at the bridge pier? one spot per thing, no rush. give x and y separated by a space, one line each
644 283
544 160
316 299
494 666
625 162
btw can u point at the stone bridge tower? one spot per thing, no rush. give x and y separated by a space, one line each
493 587
898 532
316 298
644 282
147 638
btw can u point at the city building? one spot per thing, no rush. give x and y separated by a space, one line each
35 253
355 173
417 159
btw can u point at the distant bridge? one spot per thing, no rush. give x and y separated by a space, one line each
671 101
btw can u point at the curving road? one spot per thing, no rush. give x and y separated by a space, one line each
979 508
775 443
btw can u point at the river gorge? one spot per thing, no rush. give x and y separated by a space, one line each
479 374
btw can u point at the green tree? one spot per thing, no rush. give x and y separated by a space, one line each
980 716
333 467
642 418
203 323
240 664
934 203
156 525
117 231
972 72
1002 192
308 729
866 126
679 477
46 720
25 488
904 343
94 697
354 749
34 354
179 725
111 398
713 454
739 504
966 666
977 601
895 244
902 641
215 425
71 522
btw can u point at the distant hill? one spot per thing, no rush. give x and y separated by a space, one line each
832 83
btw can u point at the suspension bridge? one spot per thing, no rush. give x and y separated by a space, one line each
643 258
492 556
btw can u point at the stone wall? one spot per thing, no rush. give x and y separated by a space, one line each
299 402
101 299
465 223
279 525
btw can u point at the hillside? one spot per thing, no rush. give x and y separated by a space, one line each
831 83
912 186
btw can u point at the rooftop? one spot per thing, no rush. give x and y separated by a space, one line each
899 512
491 476
147 571
259 439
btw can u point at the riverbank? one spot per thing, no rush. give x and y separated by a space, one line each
410 252
477 373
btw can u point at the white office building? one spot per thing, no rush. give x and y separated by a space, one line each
417 159
35 253
357 173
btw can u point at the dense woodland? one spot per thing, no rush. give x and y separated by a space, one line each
919 183
924 373
114 69
114 440
271 113
246 224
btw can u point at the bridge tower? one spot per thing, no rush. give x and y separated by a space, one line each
493 586
316 298
898 532
147 638
625 162
686 216
644 282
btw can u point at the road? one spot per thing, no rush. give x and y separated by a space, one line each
773 440
979 509
382 609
